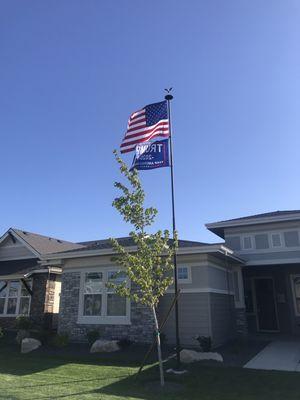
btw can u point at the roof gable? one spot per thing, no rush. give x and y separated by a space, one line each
11 248
34 245
256 219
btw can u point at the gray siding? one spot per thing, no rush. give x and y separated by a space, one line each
263 249
10 250
223 318
194 317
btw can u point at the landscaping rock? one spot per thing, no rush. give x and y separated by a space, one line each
104 346
189 356
29 344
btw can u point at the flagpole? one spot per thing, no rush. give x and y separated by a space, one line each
169 97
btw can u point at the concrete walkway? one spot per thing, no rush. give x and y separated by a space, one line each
279 356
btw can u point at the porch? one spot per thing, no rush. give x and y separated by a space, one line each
272 299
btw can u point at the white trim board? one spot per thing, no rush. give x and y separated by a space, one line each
202 290
273 261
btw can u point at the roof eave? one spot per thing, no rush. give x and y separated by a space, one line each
218 227
211 249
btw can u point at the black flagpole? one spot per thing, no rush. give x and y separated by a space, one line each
169 97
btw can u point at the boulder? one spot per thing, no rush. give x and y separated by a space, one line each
29 344
104 346
189 356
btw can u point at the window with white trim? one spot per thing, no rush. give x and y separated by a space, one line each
184 274
116 305
276 240
92 297
296 292
99 303
14 298
247 242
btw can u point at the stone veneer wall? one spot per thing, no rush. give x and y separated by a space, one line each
241 322
140 330
41 302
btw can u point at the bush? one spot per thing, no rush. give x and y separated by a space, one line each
204 342
23 323
61 340
124 343
1 332
93 335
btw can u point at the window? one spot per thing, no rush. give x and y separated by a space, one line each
3 292
247 242
25 299
233 242
99 303
184 274
261 241
276 239
116 305
291 238
296 291
14 298
93 288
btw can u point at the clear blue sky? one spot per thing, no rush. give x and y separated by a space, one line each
72 71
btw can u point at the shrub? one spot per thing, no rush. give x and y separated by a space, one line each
61 340
23 323
124 343
1 332
204 342
93 335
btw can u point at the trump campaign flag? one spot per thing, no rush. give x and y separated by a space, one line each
146 124
150 155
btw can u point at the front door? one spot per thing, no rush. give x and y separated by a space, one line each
265 305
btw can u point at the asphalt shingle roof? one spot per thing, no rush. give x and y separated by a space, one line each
128 242
263 215
45 244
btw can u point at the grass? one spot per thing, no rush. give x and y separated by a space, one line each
72 375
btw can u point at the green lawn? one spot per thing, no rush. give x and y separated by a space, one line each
70 376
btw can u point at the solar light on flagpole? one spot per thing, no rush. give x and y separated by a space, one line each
169 97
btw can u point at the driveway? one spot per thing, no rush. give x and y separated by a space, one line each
278 355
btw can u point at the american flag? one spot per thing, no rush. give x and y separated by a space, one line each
146 124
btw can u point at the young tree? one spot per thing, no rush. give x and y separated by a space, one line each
149 267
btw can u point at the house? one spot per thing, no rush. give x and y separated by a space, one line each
269 245
206 303
28 286
249 283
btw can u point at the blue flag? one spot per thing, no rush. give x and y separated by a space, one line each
150 155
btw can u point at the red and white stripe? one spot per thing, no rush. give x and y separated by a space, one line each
137 131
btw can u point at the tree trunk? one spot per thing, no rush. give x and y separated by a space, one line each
161 370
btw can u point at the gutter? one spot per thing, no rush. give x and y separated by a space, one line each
221 249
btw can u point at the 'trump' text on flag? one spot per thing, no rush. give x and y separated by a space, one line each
150 155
